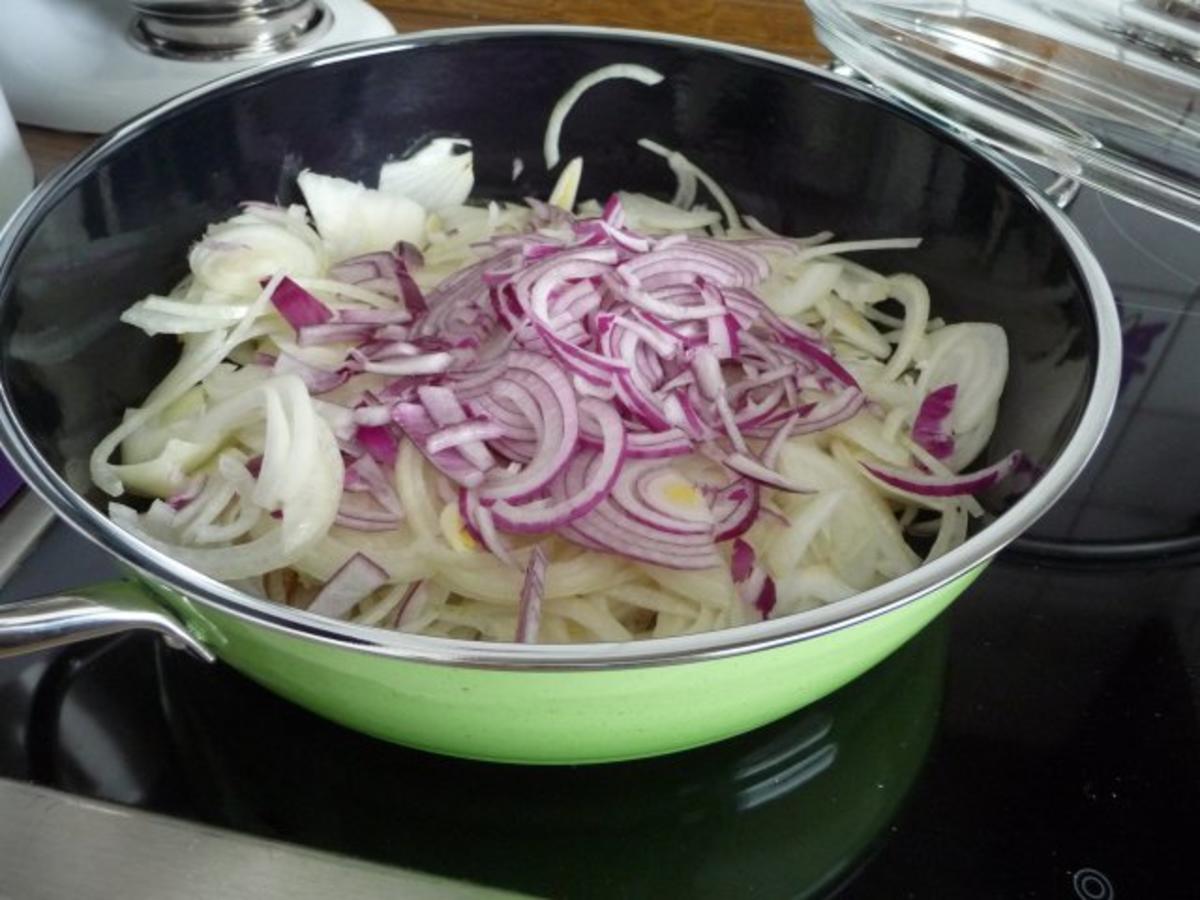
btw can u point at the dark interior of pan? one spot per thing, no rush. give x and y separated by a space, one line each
800 152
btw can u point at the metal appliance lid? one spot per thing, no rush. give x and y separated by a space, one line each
1104 91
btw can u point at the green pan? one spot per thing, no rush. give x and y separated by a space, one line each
798 147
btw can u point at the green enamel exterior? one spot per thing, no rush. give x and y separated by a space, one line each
558 717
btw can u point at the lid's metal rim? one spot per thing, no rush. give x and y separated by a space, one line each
684 649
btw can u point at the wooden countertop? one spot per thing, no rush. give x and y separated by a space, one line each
780 25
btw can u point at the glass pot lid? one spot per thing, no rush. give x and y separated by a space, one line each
1103 91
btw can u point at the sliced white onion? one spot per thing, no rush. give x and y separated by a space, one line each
353 220
439 175
350 585
568 100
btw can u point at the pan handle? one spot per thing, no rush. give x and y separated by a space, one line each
98 611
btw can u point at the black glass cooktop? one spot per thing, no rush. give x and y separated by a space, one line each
1140 496
1040 740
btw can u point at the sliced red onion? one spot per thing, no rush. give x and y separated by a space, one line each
723 336
533 289
650 369
318 381
356 580
481 525
516 426
576 302
626 239
731 427
468 508
535 382
821 357
609 528
416 423
544 214
928 429
386 274
673 411
659 340
297 306
707 369
753 469
761 379
814 417
746 308
945 486
444 408
396 332
754 586
468 432
373 414
671 240
408 255
697 427
533 591
550 380
645 444
683 332
640 404
764 410
379 442
673 312
570 503
190 492
371 316
774 447
595 367
381 349
741 561
825 415
643 491
492 539
610 532
365 471
332 333
682 264
614 212
735 509
516 451
585 388
442 404
630 390
751 265
765 598
426 364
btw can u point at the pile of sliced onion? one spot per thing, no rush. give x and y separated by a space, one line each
673 386
554 381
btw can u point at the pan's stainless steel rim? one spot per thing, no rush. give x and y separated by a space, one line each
685 649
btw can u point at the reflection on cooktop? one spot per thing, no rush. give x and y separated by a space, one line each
1142 484
791 810
1048 724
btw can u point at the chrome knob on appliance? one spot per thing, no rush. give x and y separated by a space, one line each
227 29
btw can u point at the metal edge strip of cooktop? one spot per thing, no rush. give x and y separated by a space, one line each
56 846
22 523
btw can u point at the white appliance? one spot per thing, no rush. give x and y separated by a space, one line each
88 65
16 171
